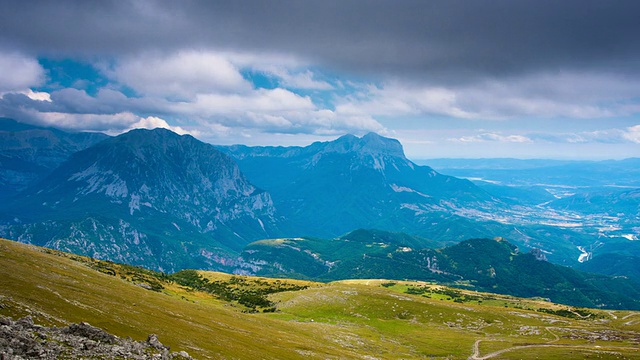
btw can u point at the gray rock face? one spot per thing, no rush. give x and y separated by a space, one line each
147 197
22 339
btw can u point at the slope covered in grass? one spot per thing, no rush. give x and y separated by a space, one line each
351 319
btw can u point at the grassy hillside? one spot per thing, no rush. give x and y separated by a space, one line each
340 320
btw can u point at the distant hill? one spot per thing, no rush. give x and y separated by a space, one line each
480 264
29 153
624 203
614 264
527 172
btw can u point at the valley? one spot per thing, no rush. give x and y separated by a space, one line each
596 198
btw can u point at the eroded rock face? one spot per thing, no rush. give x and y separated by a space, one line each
22 339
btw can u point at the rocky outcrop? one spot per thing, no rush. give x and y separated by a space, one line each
147 197
540 256
22 339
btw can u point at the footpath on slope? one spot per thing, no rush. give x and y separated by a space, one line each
476 348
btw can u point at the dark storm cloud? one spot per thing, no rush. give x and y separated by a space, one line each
450 39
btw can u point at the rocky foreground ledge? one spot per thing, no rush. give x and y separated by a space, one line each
22 339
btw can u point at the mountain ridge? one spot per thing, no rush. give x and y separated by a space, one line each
490 265
150 196
333 187
28 153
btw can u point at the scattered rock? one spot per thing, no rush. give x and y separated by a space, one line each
22 339
540 256
87 331
153 341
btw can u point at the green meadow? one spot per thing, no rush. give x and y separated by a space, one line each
222 316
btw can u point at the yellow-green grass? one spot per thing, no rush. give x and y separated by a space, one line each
340 320
570 352
60 290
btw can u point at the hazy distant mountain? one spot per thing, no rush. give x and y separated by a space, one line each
330 188
480 264
612 202
542 172
145 197
28 153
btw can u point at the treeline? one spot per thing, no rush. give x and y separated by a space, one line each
251 293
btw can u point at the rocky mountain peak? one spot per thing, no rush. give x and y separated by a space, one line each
370 144
371 150
159 171
374 143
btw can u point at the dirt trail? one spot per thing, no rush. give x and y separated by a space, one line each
476 348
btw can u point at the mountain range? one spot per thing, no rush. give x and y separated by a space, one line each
168 202
154 198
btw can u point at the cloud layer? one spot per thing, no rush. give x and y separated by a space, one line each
228 70
431 39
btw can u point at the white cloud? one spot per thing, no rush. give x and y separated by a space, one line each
395 99
262 60
208 88
86 122
633 134
152 122
37 95
298 80
606 136
610 136
493 137
19 72
112 124
180 75
546 95
260 100
275 110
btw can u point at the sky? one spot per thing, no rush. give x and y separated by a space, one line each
448 78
